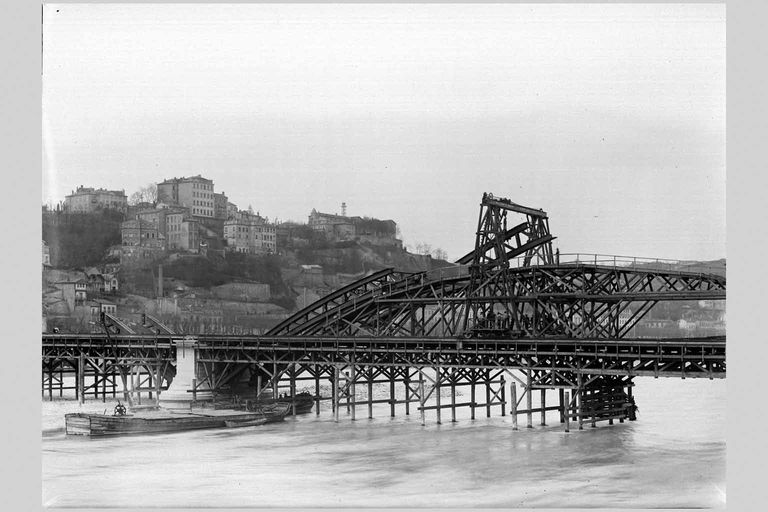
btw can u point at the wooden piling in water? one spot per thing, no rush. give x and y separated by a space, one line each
567 415
80 391
292 374
543 407
421 398
453 399
275 382
392 392
488 394
351 396
503 397
561 393
579 401
437 394
513 404
472 393
336 394
104 381
407 382
529 399
317 392
370 392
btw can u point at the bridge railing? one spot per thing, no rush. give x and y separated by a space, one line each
635 263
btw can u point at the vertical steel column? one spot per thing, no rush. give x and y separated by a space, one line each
513 405
543 407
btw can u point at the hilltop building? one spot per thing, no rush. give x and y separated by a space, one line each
362 229
337 227
88 200
247 232
195 193
141 241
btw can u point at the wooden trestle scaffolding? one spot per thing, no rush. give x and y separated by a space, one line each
510 329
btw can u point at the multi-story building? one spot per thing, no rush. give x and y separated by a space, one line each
182 232
220 203
141 240
194 193
176 227
249 233
334 226
87 200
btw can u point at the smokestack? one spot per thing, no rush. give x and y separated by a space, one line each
160 280
343 209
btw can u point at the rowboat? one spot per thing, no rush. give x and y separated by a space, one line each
303 402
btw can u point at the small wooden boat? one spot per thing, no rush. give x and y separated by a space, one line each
303 402
166 420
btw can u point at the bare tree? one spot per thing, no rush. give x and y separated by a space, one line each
145 194
440 254
422 248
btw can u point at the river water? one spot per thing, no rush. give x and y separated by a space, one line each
673 456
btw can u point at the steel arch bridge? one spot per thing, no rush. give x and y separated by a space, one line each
510 286
512 308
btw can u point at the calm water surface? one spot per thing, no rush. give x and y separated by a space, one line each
673 456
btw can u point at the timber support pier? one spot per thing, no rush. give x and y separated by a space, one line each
580 382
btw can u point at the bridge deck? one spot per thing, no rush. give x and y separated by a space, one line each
682 357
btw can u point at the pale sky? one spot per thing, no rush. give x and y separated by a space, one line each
609 117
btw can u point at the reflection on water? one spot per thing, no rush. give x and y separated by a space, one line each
673 456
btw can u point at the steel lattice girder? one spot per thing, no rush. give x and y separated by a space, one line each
577 300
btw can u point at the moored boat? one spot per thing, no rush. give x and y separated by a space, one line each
165 420
303 402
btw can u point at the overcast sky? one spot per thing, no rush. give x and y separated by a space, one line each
609 117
